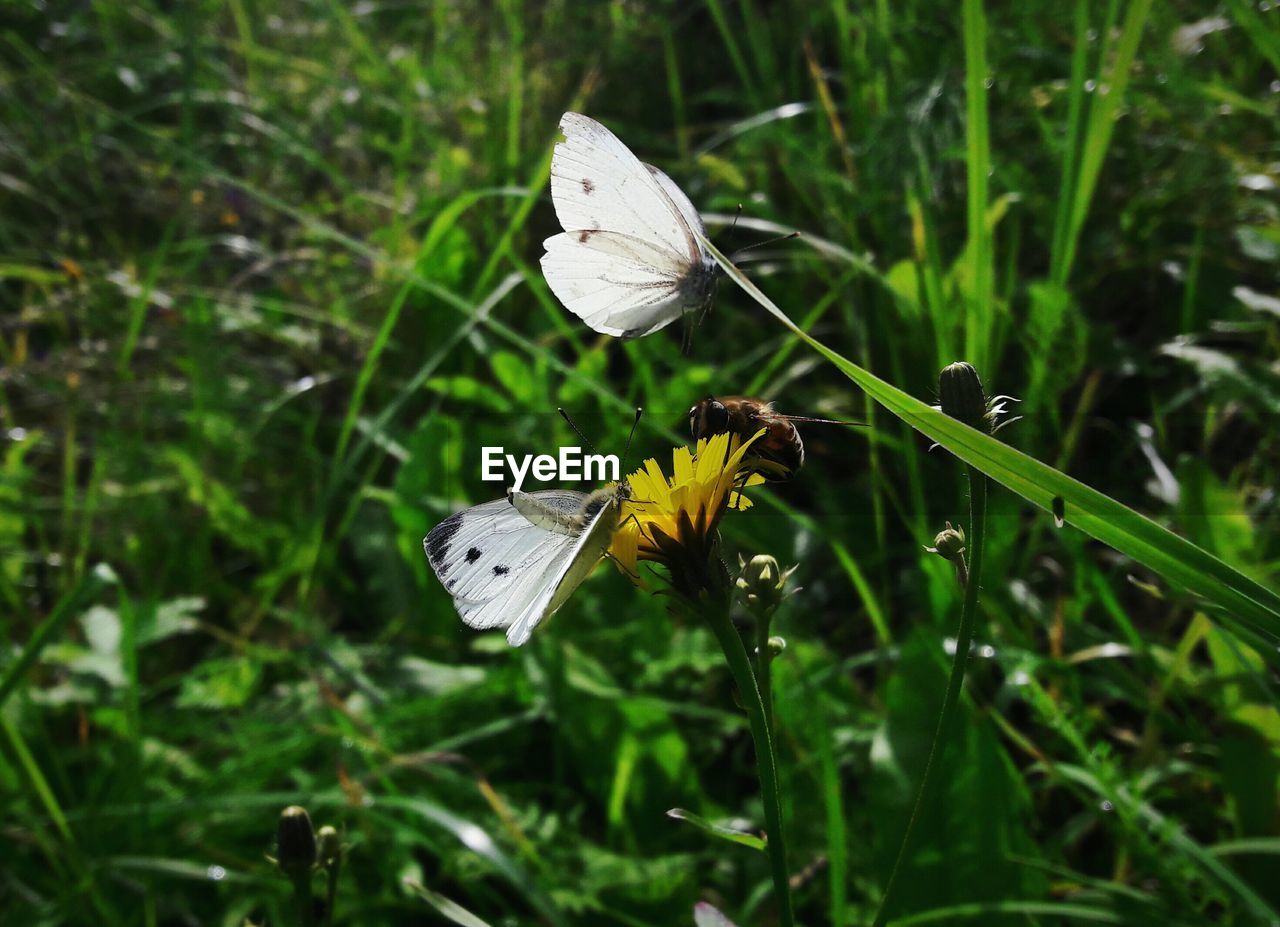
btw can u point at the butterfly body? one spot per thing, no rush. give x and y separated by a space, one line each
513 562
629 261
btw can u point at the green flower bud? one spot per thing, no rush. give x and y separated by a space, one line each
330 844
761 581
948 543
776 646
961 396
761 571
295 842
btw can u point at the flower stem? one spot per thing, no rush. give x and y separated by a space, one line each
766 762
946 718
302 899
332 872
763 661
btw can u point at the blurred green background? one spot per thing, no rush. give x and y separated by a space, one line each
269 281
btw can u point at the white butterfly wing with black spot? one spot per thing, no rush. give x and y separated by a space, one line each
628 262
504 571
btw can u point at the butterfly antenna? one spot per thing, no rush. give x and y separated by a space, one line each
732 225
761 244
574 425
626 451
736 216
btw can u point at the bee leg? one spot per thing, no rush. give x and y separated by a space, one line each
737 494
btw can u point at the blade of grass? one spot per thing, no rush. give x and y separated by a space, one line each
717 830
728 35
1107 99
1028 909
1101 517
450 910
979 320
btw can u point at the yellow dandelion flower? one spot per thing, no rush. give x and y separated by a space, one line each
673 521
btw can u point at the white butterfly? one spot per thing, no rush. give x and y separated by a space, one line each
512 562
628 261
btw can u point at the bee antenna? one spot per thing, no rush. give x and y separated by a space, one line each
574 425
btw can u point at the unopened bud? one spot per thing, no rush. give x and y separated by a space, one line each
330 844
760 571
948 543
761 581
295 842
776 646
961 396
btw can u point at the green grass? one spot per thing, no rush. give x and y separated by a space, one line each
269 280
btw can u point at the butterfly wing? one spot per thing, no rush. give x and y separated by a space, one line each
489 559
504 571
597 183
619 285
628 253
692 219
567 573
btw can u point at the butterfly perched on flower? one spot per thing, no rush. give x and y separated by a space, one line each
778 453
629 261
513 562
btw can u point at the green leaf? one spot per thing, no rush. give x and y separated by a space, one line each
1101 517
87 589
718 830
222 682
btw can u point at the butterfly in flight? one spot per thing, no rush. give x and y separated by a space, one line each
778 453
629 261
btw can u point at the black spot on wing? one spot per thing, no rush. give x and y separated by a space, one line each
501 570
473 555
588 187
436 544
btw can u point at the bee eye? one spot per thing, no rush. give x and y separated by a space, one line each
717 417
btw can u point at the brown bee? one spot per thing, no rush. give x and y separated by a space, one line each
779 452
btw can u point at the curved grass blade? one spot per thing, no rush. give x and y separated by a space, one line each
1028 909
478 841
717 830
448 909
1176 559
